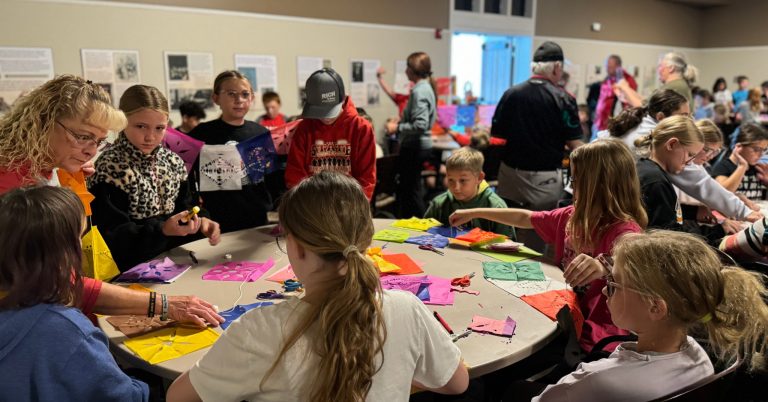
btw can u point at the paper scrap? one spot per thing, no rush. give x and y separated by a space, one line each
491 326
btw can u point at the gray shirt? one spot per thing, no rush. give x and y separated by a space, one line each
418 117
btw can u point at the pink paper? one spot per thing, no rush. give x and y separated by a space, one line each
491 326
283 274
439 291
183 145
446 115
406 283
464 290
239 271
485 114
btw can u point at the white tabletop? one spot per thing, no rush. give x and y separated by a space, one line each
482 353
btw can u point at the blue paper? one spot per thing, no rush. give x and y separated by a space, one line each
447 231
258 155
434 240
235 312
465 116
423 294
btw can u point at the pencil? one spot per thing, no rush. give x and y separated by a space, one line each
443 323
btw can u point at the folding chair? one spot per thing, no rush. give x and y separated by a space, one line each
716 387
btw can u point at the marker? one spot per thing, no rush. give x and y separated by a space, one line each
193 257
192 212
443 323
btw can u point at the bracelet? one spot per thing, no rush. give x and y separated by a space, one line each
151 310
164 305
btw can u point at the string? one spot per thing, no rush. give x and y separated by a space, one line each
240 288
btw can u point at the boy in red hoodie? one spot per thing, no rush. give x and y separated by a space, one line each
332 135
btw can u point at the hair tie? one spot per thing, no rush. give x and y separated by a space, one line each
89 82
349 249
706 318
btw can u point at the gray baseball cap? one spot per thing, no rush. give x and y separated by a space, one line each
325 95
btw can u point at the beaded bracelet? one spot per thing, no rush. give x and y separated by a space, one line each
164 305
151 310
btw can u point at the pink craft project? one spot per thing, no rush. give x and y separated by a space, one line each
439 291
183 145
283 274
446 115
485 114
239 271
406 283
491 326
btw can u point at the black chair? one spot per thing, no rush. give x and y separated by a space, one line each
716 387
384 192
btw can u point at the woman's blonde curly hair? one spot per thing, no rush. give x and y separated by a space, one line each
25 131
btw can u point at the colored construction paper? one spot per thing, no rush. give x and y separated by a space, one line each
508 246
465 115
479 236
183 145
132 325
491 326
235 312
404 262
170 343
521 288
76 183
447 231
485 114
155 271
446 115
391 235
507 271
97 259
136 286
439 291
429 240
416 223
283 135
384 266
283 274
418 285
258 155
239 271
523 254
549 303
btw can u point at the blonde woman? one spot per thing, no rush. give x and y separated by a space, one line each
141 188
346 340
61 124
682 287
606 206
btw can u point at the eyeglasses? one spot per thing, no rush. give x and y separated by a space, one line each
757 149
711 152
610 283
279 246
85 140
234 95
690 157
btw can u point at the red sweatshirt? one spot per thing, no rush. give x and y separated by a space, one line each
346 146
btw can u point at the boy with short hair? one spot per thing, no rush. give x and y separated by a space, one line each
272 118
191 114
332 135
467 188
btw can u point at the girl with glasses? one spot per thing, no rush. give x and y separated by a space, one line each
247 205
684 288
606 206
741 171
141 188
346 339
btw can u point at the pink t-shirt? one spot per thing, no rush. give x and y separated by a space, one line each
550 226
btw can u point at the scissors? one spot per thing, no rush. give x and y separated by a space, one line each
430 248
464 281
270 294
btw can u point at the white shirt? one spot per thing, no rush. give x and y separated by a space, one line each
416 348
723 97
629 376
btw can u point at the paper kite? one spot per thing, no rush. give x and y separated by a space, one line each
221 168
519 271
478 236
282 136
446 115
155 271
416 223
549 303
394 236
258 154
433 240
404 262
491 326
235 312
239 271
183 145
439 291
76 183
97 259
465 115
485 114
170 343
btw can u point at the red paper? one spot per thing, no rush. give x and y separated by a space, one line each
478 235
406 264
549 303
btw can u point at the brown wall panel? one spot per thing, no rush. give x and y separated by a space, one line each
417 13
741 23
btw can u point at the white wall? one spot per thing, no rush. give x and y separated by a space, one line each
730 62
68 26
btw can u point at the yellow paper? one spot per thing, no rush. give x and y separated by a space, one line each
97 259
170 343
136 286
417 223
384 266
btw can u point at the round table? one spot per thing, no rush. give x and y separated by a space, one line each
483 353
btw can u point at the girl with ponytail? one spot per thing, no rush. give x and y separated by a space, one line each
675 73
346 339
683 288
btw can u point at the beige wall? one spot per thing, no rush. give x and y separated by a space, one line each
69 27
637 21
730 62
418 13
741 23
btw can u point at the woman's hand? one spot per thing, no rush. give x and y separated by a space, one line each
174 227
582 270
211 230
190 309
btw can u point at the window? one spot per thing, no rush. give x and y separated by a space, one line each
496 6
518 8
463 5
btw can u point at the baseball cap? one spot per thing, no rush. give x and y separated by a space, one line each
548 51
325 95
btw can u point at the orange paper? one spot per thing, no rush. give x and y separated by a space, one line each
76 183
478 236
406 264
549 303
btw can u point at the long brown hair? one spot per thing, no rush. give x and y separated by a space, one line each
421 65
328 214
681 269
607 191
25 131
40 260
139 97
664 101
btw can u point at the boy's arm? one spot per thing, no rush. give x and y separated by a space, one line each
296 167
519 218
